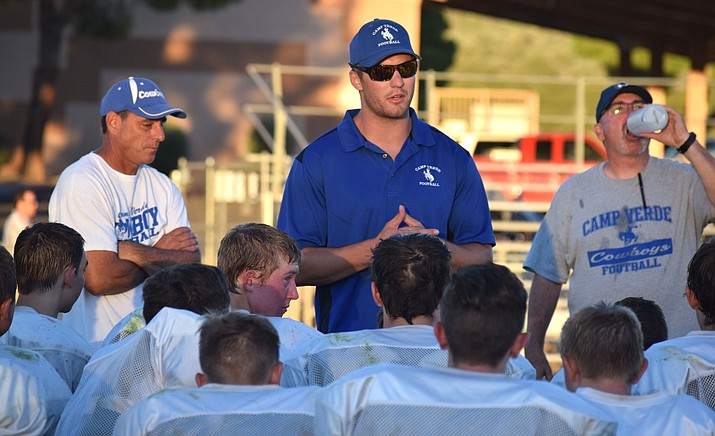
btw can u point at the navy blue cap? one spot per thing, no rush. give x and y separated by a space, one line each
610 93
377 40
141 97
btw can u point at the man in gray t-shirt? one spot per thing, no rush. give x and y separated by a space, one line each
627 227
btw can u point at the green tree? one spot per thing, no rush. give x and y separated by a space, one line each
436 49
107 19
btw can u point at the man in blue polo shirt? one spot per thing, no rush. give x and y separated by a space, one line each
381 171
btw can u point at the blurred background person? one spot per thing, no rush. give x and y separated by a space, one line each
24 208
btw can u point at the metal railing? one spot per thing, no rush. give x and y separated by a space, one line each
230 193
568 93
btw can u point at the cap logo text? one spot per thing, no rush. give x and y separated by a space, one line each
388 37
149 94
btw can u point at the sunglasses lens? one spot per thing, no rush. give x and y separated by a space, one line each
381 73
407 69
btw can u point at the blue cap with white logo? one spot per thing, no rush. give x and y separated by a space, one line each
141 97
377 40
609 94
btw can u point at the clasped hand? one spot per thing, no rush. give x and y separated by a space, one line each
395 226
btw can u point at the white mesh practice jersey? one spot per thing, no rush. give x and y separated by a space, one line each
33 394
391 399
331 356
292 333
559 378
684 365
520 368
163 354
130 324
222 410
654 414
63 347
323 360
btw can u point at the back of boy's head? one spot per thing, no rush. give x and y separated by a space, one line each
605 341
482 310
701 280
255 246
238 348
43 252
8 278
410 272
195 287
651 318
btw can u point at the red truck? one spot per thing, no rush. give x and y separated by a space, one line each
533 168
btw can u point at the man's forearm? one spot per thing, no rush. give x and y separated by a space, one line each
323 266
151 259
704 164
469 254
543 297
106 274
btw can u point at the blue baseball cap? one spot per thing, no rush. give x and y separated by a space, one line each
609 94
377 40
141 97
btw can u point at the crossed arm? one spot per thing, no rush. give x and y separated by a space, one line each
111 273
323 265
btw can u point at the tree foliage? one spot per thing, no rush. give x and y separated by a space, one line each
105 19
108 19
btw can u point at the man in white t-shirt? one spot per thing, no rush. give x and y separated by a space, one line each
237 391
50 264
686 365
480 324
33 394
132 217
602 350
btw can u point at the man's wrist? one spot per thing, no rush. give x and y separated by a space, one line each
686 145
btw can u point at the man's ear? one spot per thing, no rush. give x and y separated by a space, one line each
376 294
201 379
440 334
355 80
276 374
113 120
598 130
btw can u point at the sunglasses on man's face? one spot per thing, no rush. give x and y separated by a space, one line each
383 73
